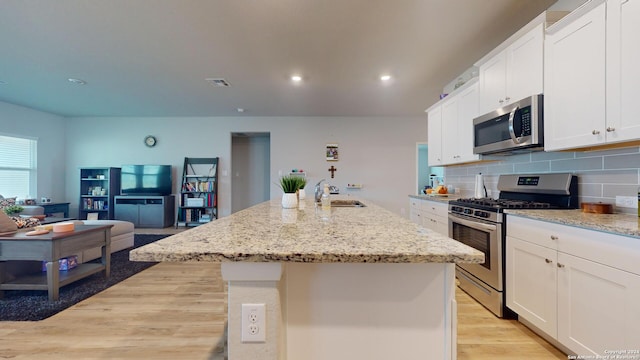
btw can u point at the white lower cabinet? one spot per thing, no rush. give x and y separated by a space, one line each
531 283
574 285
415 210
598 306
435 216
430 214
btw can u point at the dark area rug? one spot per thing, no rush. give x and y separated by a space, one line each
32 305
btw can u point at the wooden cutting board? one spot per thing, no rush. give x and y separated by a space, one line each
597 208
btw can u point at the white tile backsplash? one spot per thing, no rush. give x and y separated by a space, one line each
602 174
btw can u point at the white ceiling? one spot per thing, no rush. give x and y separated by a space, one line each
151 57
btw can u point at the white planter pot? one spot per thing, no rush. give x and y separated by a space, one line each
289 200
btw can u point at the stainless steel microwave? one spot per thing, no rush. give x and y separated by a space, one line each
514 128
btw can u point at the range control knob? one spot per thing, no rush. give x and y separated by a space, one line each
468 211
482 214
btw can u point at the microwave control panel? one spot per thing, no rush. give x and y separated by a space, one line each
525 121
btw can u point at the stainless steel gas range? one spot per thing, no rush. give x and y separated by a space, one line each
481 224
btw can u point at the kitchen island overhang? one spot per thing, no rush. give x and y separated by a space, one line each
356 283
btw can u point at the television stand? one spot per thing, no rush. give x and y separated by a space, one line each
145 211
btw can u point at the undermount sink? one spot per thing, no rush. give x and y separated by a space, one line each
347 203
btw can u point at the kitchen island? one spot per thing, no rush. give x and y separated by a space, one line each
349 283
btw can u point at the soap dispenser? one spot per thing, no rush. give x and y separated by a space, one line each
326 198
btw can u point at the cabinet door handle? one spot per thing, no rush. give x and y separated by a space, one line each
553 237
560 265
500 101
507 98
610 129
548 261
595 132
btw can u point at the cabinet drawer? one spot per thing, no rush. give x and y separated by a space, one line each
616 251
415 204
435 208
535 231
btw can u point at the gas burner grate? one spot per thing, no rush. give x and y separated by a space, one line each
505 203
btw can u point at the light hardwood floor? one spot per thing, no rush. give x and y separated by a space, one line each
178 311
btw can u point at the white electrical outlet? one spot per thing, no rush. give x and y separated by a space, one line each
253 323
627 202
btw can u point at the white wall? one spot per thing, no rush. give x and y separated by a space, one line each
377 152
49 130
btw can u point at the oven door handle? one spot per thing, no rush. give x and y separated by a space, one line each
512 131
473 224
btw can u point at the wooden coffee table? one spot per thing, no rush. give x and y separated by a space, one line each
51 247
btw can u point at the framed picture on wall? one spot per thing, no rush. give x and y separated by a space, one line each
332 152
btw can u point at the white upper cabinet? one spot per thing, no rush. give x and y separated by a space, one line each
592 77
493 83
514 73
623 72
574 103
450 127
468 109
434 136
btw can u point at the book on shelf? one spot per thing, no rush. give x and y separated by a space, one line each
198 186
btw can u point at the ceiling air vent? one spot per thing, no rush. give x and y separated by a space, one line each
218 82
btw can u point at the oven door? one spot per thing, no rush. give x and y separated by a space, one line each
485 237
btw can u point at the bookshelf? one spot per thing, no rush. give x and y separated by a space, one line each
199 192
98 186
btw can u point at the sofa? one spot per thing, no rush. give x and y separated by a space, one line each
31 210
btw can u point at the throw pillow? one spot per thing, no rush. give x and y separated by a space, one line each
6 202
24 223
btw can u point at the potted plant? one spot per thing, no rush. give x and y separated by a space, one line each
289 185
13 209
302 182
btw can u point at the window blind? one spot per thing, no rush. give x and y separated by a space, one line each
17 167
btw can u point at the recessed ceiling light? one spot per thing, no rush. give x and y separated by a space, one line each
385 77
77 81
296 78
240 110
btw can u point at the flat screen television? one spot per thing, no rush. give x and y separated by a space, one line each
145 180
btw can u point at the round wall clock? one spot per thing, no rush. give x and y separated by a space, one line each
150 141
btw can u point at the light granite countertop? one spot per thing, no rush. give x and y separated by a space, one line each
619 224
268 233
440 199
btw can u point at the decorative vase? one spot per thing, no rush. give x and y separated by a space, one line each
301 194
289 200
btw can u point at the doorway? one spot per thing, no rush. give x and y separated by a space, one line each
250 169
423 170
